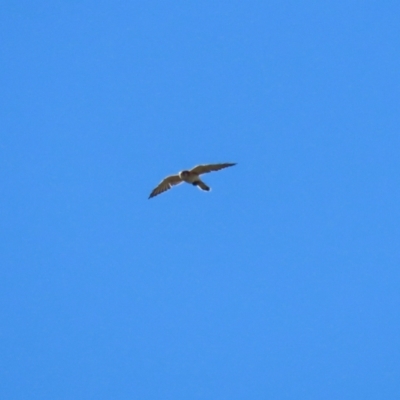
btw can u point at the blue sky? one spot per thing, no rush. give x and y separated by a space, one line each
282 282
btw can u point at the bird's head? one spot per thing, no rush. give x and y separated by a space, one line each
184 174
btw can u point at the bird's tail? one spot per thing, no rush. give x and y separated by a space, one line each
202 185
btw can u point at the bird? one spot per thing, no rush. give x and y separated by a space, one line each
191 176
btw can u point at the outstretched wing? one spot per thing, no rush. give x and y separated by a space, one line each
203 169
166 184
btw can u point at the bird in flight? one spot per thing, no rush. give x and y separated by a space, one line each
192 176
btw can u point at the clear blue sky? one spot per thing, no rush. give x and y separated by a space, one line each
283 282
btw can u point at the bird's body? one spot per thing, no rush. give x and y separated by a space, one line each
189 176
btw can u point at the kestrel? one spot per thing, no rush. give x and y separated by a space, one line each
192 176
